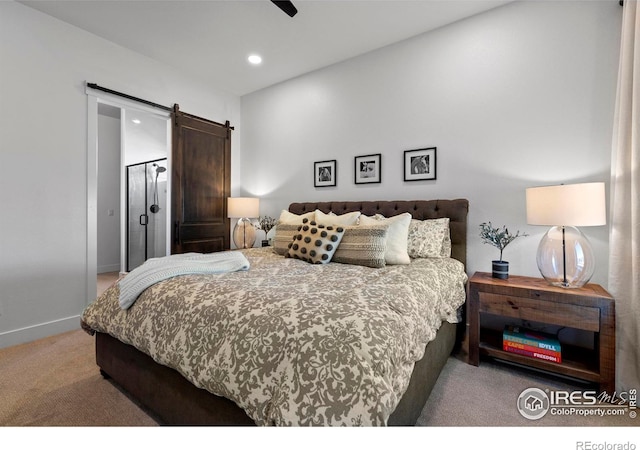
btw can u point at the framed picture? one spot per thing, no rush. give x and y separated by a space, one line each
325 173
420 164
368 169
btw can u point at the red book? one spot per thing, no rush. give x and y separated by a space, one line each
536 355
529 348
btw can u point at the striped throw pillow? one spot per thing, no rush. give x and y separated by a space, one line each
363 245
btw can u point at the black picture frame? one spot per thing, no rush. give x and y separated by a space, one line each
325 173
368 169
420 164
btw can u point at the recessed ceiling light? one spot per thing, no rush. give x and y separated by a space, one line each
136 121
254 59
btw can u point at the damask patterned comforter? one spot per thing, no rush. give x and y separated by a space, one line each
290 342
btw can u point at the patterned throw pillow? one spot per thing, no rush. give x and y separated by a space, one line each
363 246
286 227
315 243
446 245
396 251
429 238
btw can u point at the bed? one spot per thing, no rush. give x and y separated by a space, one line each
323 366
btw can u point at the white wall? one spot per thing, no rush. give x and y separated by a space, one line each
519 96
144 141
44 64
108 247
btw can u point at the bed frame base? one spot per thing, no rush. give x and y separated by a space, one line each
172 400
161 391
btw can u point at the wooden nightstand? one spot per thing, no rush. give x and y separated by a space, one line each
589 308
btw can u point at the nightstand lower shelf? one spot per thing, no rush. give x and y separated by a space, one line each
576 362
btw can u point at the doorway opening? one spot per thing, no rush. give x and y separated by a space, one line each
125 133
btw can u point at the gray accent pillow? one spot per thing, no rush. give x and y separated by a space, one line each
396 252
284 236
363 245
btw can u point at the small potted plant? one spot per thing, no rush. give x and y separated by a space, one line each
499 238
266 224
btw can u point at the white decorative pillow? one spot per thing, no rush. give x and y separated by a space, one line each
315 243
288 217
345 220
428 238
363 245
396 248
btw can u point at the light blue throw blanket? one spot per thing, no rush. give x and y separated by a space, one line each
155 270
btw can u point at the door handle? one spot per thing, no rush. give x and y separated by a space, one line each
144 220
176 232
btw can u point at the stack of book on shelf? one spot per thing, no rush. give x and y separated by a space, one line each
531 343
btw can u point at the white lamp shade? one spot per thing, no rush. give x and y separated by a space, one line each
575 205
243 207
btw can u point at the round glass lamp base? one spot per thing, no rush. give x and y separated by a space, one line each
244 234
565 257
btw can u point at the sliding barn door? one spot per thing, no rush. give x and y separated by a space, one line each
201 184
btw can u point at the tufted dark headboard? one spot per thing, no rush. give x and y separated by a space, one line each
455 210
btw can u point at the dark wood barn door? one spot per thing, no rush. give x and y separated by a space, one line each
201 184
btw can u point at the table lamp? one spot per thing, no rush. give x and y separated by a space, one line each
243 208
565 257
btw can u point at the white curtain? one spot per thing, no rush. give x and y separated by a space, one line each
624 242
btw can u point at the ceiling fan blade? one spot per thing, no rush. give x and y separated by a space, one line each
287 7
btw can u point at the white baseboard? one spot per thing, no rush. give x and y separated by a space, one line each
109 268
43 330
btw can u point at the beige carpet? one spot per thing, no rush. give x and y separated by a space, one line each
55 382
486 395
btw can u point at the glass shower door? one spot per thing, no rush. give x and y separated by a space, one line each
146 212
